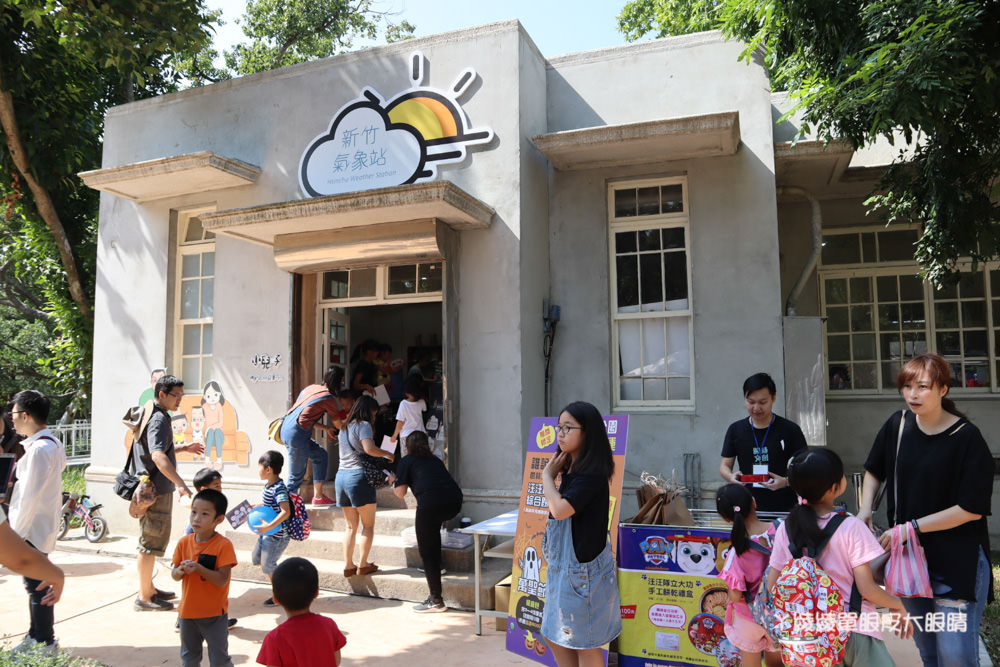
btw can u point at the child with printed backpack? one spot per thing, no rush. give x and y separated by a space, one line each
269 548
744 570
817 476
305 639
203 561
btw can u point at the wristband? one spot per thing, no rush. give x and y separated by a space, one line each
916 527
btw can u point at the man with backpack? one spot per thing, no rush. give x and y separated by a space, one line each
155 454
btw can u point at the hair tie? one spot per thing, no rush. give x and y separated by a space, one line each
736 508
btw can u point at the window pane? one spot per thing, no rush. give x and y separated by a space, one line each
429 277
836 319
335 285
206 371
338 354
361 282
208 264
888 316
840 376
838 348
836 291
189 299
190 266
675 272
624 203
864 346
206 339
678 346
946 315
654 389
914 343
191 371
861 290
673 237
970 285
207 297
653 348
977 375
628 348
890 346
403 279
912 315
897 246
887 291
628 283
651 285
974 343
861 318
679 389
649 201
192 339
649 239
864 376
949 291
956 374
625 242
995 284
973 313
948 343
911 288
868 247
672 197
890 370
631 390
841 249
195 232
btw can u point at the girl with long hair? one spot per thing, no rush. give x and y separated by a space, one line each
582 608
938 475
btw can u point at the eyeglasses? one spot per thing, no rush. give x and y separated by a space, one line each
177 396
564 429
16 412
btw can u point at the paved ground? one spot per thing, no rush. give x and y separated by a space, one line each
95 619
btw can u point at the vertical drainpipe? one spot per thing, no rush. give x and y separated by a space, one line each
817 246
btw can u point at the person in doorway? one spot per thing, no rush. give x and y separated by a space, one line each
355 496
938 472
156 454
311 404
364 373
439 498
577 623
762 444
410 414
36 506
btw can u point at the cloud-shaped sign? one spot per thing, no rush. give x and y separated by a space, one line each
374 144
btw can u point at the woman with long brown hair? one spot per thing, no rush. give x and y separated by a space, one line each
938 473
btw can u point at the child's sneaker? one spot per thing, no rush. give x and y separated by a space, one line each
270 603
430 605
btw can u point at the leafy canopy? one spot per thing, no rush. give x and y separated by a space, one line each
863 69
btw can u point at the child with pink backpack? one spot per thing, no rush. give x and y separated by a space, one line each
746 564
820 560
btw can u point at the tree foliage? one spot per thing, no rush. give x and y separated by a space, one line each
287 32
863 69
664 18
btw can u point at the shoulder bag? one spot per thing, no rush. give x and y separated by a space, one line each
136 419
878 565
274 428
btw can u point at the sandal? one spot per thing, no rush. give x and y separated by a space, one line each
350 571
368 569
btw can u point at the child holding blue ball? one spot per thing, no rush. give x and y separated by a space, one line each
270 545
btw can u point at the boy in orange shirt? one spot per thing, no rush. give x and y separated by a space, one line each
204 560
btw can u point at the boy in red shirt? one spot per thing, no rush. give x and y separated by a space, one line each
204 560
305 639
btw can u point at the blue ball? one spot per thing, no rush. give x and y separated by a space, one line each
261 516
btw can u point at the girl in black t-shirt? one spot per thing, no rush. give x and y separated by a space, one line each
582 609
938 472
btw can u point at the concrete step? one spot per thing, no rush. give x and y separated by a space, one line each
389 550
384 497
395 582
387 521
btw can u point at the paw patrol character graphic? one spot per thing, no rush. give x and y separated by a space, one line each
531 565
695 556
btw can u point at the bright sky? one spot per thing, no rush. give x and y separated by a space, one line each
556 26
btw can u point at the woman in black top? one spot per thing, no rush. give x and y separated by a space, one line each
439 498
939 476
582 610
762 442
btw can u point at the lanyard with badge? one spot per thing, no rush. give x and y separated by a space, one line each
760 454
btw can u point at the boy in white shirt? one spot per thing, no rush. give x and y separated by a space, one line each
37 503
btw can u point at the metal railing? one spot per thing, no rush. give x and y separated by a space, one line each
75 438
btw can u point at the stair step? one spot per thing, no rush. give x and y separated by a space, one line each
395 582
387 521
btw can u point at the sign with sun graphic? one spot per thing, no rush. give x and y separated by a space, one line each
374 143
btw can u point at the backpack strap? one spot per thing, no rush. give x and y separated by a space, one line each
854 605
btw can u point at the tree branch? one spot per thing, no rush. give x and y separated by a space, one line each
43 202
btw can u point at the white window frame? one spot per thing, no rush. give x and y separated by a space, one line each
875 269
183 249
635 223
382 295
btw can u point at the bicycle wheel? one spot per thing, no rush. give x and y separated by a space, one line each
98 532
63 527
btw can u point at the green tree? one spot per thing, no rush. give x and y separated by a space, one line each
288 32
863 69
62 65
664 18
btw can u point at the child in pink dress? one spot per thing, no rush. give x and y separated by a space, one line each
746 565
